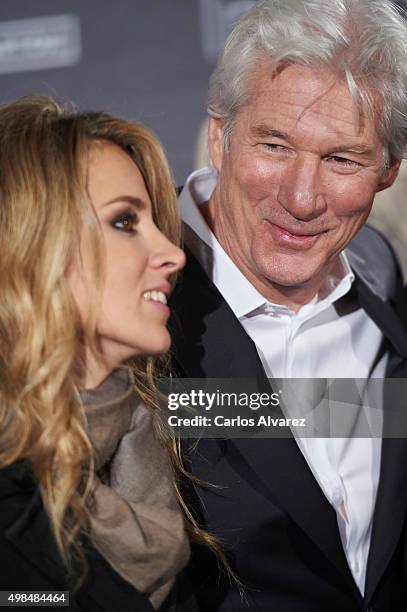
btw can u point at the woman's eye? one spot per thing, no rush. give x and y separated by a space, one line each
126 222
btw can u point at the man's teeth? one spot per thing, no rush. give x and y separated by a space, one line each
155 296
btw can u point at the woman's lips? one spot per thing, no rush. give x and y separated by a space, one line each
157 299
297 241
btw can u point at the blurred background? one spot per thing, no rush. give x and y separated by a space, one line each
148 60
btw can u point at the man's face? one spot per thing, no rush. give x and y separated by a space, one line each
298 180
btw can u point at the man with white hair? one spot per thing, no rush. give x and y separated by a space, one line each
308 121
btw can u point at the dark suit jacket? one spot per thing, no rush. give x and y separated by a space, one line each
280 531
29 559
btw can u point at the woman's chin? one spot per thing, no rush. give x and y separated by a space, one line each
156 345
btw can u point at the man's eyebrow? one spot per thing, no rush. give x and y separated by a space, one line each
360 150
265 131
133 201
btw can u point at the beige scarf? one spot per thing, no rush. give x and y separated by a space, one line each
136 522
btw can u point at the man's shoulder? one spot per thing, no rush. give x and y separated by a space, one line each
373 259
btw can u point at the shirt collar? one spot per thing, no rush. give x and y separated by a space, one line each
238 292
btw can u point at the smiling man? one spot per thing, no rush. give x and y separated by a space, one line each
308 121
298 181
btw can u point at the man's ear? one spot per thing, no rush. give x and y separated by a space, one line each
216 142
390 175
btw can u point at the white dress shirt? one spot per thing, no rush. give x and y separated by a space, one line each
315 342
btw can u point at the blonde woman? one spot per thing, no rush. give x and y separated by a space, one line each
88 226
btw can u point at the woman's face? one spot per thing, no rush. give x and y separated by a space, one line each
139 259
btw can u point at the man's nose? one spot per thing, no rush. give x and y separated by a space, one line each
300 189
166 255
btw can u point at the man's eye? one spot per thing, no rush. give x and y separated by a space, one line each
343 161
274 149
126 222
271 146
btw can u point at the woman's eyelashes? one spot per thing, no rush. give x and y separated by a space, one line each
125 222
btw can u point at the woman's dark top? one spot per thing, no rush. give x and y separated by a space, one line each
30 561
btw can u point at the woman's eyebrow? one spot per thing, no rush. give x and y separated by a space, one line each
133 201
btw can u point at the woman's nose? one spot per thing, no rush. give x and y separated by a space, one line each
167 255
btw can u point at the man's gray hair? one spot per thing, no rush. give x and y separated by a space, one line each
363 42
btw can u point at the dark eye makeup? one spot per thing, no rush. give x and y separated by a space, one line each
125 222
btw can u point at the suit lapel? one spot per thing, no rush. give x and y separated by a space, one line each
31 535
30 532
391 502
203 351
386 318
279 471
276 468
199 347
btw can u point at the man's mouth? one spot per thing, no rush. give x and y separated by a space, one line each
294 238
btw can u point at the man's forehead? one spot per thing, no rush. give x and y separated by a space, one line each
301 95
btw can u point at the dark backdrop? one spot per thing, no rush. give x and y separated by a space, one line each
142 59
148 60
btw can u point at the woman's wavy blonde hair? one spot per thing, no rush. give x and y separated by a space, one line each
44 206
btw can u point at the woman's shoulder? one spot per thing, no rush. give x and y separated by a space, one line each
18 486
29 557
24 529
19 469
